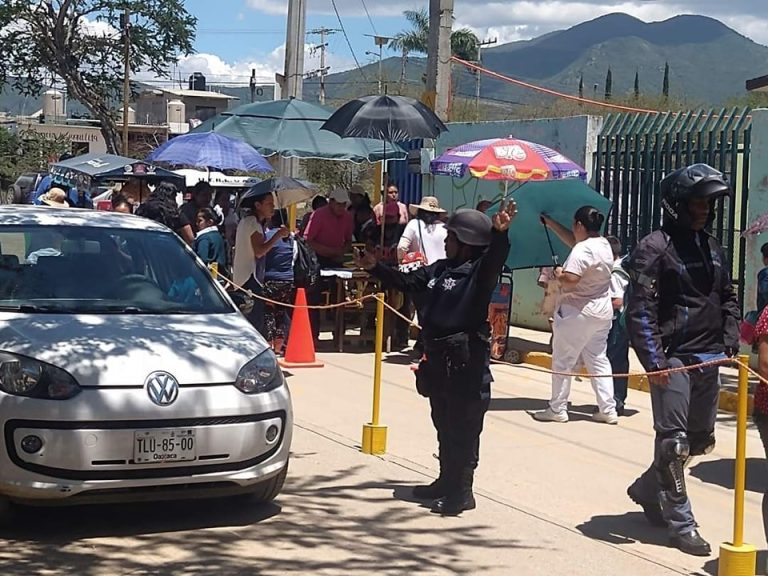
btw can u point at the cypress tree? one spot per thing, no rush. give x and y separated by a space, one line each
637 85
665 84
608 84
581 86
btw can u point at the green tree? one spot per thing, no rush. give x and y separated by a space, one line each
637 85
608 84
464 43
581 86
80 42
665 83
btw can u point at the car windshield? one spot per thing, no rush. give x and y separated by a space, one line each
81 269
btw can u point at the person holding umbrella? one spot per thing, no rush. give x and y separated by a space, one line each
455 373
583 315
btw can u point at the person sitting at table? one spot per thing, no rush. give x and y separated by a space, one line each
330 228
393 231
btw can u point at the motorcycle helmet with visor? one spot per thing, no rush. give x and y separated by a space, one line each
695 181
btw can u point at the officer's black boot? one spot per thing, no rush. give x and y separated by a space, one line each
433 491
459 497
691 543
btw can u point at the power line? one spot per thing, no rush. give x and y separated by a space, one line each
369 17
346 37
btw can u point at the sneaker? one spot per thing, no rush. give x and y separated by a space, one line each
610 418
691 543
549 416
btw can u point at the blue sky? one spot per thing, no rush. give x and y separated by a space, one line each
235 36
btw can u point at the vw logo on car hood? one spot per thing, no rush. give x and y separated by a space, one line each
162 388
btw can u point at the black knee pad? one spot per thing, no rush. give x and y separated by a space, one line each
701 443
670 467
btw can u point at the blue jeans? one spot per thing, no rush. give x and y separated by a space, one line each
618 355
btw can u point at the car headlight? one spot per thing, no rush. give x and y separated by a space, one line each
24 376
261 374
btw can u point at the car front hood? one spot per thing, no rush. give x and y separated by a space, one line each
122 350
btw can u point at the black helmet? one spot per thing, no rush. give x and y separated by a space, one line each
695 181
471 227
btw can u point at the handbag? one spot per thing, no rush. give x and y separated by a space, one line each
414 260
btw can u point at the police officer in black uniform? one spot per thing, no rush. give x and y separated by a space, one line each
682 310
455 372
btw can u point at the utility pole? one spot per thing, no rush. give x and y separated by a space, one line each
293 75
322 47
479 74
380 42
126 25
439 56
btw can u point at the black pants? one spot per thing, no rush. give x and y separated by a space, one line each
618 356
458 421
256 315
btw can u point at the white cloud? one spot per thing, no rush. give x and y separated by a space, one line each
347 8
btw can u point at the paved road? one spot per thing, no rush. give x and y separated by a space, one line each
551 498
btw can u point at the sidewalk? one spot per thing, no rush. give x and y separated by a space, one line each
551 496
533 348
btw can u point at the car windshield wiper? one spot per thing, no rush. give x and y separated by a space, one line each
31 308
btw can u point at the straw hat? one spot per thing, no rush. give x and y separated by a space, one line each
55 197
428 204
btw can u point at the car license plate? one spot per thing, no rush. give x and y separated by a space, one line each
161 446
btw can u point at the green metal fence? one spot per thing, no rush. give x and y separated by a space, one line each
635 151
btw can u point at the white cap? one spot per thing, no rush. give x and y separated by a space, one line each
339 195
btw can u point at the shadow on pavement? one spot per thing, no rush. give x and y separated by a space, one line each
517 404
624 529
319 524
720 472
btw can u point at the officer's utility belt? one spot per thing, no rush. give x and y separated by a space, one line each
453 350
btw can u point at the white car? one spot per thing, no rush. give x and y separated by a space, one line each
126 372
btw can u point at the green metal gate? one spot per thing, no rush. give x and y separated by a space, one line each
635 151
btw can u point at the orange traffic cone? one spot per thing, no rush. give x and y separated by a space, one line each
300 352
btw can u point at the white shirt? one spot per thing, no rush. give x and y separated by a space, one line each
592 260
244 264
431 243
619 280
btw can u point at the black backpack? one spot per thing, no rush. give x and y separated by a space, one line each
306 266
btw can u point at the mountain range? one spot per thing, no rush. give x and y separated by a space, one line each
709 64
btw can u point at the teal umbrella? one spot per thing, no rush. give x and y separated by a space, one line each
558 199
291 128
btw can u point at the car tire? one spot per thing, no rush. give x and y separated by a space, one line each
268 490
7 510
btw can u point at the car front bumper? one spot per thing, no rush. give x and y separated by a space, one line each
89 444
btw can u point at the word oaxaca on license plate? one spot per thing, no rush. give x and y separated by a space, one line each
159 446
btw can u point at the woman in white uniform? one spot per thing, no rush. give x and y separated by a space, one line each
583 315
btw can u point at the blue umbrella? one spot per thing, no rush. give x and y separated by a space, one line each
211 150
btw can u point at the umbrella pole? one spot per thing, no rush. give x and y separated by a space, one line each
383 193
551 248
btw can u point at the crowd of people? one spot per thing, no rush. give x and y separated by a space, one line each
671 299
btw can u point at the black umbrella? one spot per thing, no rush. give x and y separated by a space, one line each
286 191
387 118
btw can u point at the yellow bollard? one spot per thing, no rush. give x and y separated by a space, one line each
374 434
292 217
738 558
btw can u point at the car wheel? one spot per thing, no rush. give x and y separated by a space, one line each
269 489
6 511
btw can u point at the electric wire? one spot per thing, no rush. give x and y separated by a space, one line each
368 14
346 37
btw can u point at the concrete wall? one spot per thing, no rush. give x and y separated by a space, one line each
575 137
758 202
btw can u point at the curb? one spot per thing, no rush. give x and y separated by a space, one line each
728 400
